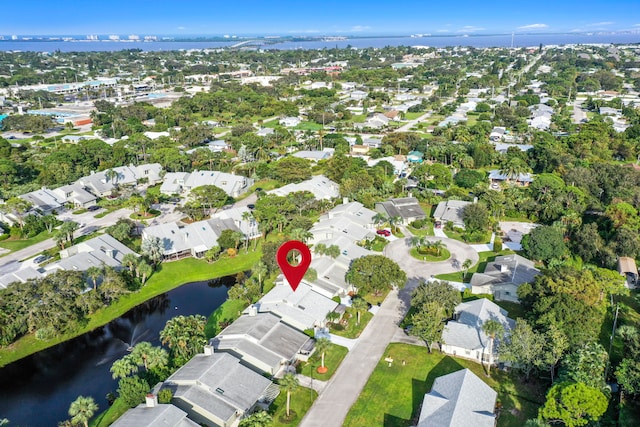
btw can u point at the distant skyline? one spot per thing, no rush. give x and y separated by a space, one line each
304 18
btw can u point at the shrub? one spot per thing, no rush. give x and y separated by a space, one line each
165 395
497 245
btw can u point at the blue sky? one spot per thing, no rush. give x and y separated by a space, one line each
304 17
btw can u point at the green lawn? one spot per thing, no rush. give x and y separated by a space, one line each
18 244
393 395
427 231
351 329
301 401
485 257
308 126
229 311
170 276
109 416
458 236
444 255
332 359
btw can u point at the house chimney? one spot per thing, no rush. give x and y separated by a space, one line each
151 400
503 268
208 350
345 200
253 310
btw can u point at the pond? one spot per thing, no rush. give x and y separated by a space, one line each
37 391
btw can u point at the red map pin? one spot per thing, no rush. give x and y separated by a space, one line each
293 273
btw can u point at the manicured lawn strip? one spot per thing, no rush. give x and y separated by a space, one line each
352 330
301 401
229 311
109 416
458 236
170 276
16 245
332 359
393 395
444 255
427 231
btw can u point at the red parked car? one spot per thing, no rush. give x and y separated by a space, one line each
385 233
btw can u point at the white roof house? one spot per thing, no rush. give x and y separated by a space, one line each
44 200
262 341
173 183
459 399
233 185
290 122
154 415
215 388
303 309
320 186
76 194
451 211
464 337
314 155
96 252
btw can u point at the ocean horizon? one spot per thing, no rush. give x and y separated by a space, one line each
477 41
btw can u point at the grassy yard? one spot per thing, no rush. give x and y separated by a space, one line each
393 395
332 359
427 231
229 311
171 275
18 244
444 255
308 126
458 236
351 329
301 401
109 416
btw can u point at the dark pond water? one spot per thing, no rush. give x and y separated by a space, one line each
37 391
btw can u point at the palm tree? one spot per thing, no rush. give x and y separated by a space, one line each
123 367
82 409
130 260
320 249
493 329
465 267
379 219
322 345
260 269
94 273
333 251
301 234
149 356
143 270
332 316
394 221
359 305
110 174
416 241
438 246
289 383
514 168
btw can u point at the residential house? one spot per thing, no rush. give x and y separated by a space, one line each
496 177
73 139
151 172
315 155
398 163
376 121
358 95
263 342
463 336
289 121
102 250
503 276
153 414
627 267
18 276
360 150
265 132
43 200
450 211
173 183
458 399
320 186
497 133
155 135
502 147
233 185
303 309
215 388
407 208
372 142
76 195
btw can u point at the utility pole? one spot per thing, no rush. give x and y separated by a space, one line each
613 334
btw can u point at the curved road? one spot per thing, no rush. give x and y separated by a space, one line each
332 405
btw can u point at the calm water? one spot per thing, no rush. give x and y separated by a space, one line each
475 41
38 390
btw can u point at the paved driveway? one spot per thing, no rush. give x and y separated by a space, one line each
398 251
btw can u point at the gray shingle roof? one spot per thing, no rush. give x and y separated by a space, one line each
459 399
507 269
157 416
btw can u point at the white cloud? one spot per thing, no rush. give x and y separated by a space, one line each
469 29
636 25
533 27
443 31
600 24
181 28
304 31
